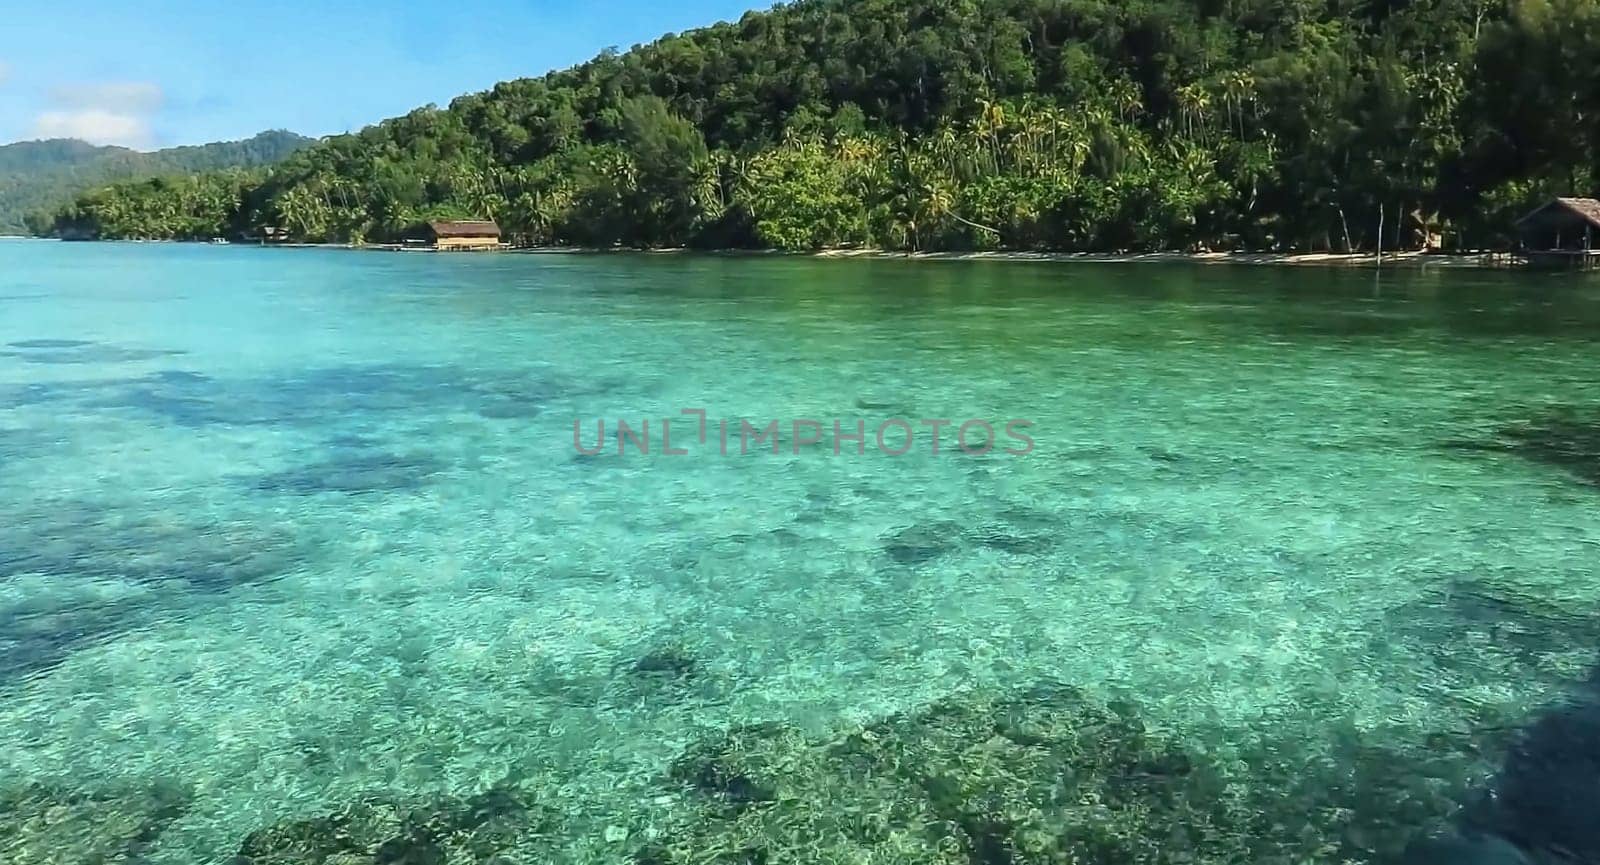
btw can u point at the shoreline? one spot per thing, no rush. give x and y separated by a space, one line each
1320 259
1468 260
1410 259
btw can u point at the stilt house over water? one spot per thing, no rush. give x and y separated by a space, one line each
1562 233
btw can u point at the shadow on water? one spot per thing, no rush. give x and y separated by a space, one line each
1540 805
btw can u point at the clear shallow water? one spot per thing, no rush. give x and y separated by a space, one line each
279 529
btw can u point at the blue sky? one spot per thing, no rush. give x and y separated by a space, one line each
156 73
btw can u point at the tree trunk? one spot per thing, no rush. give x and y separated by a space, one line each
958 218
1379 243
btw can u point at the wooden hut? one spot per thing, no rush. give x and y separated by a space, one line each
463 234
1562 233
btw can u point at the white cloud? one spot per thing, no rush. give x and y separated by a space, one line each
113 112
132 97
96 126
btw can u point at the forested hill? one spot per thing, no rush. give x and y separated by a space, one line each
955 124
40 177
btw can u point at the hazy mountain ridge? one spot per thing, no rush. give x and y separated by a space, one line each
40 177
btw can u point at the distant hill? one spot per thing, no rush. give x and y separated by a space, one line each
1091 125
40 177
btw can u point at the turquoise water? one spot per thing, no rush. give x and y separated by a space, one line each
283 528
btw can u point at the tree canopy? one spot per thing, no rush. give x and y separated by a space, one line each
974 124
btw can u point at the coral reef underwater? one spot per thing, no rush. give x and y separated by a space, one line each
48 824
1048 775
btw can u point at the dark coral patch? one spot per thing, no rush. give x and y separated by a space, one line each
1002 539
87 541
922 543
67 351
50 343
1042 777
662 674
1491 614
502 821
357 472
1565 438
666 662
317 396
740 766
110 572
42 824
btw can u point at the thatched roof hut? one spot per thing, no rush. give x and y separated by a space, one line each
1561 223
464 234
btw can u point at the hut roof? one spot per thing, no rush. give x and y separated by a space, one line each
471 228
1586 209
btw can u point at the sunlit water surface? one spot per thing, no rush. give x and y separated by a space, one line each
284 527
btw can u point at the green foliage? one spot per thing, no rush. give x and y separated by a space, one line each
1022 124
196 207
37 178
805 195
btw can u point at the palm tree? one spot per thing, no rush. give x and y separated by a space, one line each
1194 103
